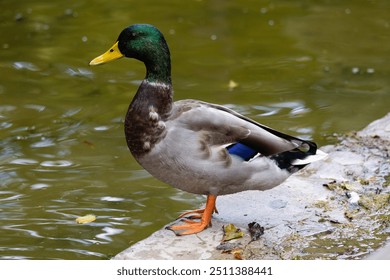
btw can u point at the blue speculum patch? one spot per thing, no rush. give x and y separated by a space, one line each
241 150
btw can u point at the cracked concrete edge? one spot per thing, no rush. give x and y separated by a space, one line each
279 210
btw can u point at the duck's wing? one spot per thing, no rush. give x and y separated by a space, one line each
242 136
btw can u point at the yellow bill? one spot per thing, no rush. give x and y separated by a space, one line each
112 54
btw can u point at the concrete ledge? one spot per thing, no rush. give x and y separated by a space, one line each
334 209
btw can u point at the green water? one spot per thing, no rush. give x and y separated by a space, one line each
309 68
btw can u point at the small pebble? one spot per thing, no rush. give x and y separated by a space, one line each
353 198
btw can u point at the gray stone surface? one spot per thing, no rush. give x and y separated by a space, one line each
337 208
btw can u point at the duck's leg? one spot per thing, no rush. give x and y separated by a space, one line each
195 214
190 226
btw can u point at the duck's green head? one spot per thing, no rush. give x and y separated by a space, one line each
145 43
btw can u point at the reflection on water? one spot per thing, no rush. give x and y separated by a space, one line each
62 148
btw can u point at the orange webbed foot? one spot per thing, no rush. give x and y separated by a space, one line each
190 226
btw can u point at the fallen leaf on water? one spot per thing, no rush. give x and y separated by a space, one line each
86 219
90 144
231 232
256 230
232 85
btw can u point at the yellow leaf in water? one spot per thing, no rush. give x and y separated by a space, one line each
86 219
232 85
231 232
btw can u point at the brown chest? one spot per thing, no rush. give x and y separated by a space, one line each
143 131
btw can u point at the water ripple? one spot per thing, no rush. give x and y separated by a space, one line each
268 110
7 195
111 199
5 125
79 72
44 142
7 108
29 232
39 186
24 161
81 252
108 232
56 163
36 107
24 65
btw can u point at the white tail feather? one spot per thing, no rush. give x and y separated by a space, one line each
312 158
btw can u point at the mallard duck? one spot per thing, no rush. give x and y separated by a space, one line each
195 146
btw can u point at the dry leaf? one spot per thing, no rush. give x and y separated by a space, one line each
231 232
232 85
256 230
86 219
90 144
237 253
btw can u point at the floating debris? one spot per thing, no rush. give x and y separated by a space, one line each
355 70
86 219
89 143
232 85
